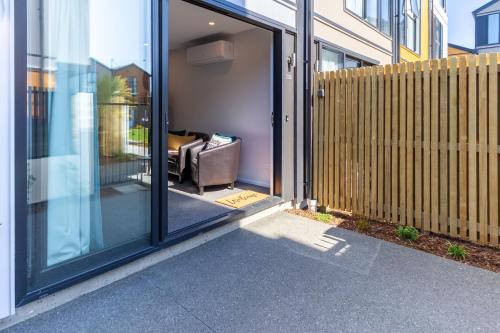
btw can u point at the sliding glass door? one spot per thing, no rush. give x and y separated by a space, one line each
89 127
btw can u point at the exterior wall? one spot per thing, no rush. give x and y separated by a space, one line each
233 98
283 11
335 25
6 160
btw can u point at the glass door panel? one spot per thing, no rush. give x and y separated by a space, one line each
89 135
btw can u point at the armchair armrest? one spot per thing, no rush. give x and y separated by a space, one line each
183 152
219 165
195 150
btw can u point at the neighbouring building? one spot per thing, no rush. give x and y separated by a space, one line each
355 33
94 170
487 24
423 29
458 50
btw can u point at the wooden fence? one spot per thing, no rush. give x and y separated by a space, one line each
414 143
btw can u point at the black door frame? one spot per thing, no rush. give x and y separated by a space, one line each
159 202
278 31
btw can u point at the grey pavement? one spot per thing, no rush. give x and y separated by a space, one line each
288 274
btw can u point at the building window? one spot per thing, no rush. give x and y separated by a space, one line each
352 62
493 28
410 24
443 4
385 16
331 60
376 12
437 39
132 84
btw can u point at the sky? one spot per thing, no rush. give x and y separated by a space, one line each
461 22
119 32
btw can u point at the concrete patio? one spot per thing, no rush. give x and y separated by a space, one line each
288 274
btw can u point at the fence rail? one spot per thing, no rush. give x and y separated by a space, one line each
414 143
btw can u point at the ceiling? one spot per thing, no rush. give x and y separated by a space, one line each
189 22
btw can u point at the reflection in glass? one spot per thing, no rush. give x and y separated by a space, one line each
331 60
89 114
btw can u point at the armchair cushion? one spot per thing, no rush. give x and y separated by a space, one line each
176 141
218 140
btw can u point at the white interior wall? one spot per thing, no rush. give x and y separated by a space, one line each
6 160
233 98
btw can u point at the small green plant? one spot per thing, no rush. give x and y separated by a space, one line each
323 217
408 233
362 225
457 251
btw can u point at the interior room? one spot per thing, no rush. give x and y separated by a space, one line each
220 116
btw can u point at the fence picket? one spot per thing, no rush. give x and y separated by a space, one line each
387 145
443 146
483 141
348 141
361 142
380 143
374 144
472 104
331 143
402 145
368 147
453 154
342 165
337 140
418 146
394 143
493 150
427 147
355 166
410 143
463 139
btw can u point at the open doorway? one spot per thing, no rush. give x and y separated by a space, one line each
220 140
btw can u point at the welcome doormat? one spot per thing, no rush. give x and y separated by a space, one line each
242 199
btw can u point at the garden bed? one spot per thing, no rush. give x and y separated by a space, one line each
480 256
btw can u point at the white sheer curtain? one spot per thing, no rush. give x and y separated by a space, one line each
73 212
6 117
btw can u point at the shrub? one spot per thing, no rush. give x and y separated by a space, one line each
323 217
457 251
407 233
362 225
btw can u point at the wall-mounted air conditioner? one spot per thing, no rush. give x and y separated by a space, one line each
210 53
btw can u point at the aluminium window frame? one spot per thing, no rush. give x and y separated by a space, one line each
363 18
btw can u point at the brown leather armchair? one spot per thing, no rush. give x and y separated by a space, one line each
216 166
178 160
